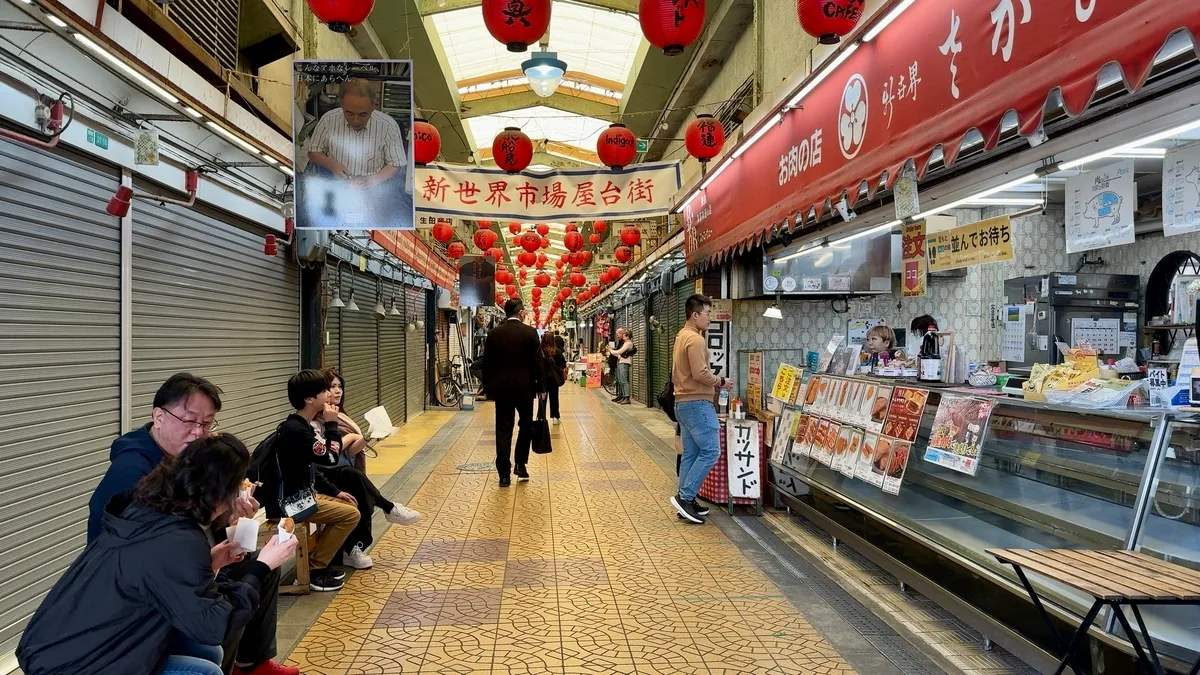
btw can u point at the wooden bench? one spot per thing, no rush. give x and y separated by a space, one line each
1114 578
301 586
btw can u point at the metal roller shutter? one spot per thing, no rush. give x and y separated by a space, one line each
659 349
59 366
392 373
360 355
333 328
415 348
637 326
207 301
443 332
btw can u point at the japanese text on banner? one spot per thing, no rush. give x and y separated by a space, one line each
743 444
641 190
912 240
983 242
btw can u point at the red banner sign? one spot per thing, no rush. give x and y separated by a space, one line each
407 246
942 68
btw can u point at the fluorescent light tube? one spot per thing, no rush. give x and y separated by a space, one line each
826 69
1006 201
798 254
126 68
1120 149
56 21
232 138
878 28
976 197
759 133
193 112
864 233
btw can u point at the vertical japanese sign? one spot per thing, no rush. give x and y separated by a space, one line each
1181 190
1100 206
353 149
478 192
595 364
719 327
986 241
785 380
912 245
754 384
743 443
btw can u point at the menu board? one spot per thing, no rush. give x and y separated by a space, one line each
904 413
958 430
800 444
827 355
849 462
873 459
785 381
754 384
831 437
897 464
841 446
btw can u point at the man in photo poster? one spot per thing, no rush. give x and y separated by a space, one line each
357 165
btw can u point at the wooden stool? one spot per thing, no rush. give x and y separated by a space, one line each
301 586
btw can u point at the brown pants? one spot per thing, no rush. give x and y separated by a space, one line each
339 518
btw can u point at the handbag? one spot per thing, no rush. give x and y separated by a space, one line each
540 435
302 504
666 400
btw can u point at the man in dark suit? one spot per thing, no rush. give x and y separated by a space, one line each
512 373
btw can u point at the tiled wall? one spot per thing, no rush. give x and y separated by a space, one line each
964 305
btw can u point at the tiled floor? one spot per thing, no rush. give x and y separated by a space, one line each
584 569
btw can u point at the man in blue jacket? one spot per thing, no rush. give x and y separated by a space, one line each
185 408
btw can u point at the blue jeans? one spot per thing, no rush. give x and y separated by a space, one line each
191 658
701 444
623 380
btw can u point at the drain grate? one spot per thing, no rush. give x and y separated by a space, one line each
477 467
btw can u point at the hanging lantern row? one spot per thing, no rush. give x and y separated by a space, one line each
829 20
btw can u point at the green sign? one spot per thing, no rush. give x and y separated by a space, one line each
97 139
643 145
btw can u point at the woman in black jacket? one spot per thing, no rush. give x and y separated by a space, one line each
142 598
555 366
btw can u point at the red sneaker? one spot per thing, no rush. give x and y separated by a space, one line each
268 668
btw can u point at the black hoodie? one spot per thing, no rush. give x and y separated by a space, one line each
116 608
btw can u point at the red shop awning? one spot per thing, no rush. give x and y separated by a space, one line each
941 69
407 246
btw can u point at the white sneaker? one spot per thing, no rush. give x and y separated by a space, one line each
357 559
402 515
555 421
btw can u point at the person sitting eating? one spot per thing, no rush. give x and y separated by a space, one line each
144 597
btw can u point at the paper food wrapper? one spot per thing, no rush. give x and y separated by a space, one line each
286 526
246 490
245 534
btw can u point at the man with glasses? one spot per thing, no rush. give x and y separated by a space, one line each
185 408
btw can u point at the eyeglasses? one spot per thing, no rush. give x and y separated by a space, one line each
195 425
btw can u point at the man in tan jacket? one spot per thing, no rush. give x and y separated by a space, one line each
695 387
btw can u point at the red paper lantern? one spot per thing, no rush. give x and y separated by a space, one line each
630 235
572 227
511 290
536 294
456 250
485 239
530 241
599 226
829 20
585 296
616 146
594 290
577 279
523 274
485 224
576 259
542 279
427 142
543 229
516 23
499 299
559 265
514 228
512 150
585 257
340 15
545 243
573 241
495 254
704 138
671 25
503 276
526 258
623 253
604 277
614 273
593 238
443 231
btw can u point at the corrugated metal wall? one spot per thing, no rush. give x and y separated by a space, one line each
360 346
659 349
392 372
207 301
59 366
637 326
415 349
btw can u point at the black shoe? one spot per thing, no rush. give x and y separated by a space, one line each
505 481
324 580
616 399
700 509
686 510
522 474
624 401
337 574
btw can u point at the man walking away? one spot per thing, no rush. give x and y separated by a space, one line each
184 409
695 389
512 374
624 354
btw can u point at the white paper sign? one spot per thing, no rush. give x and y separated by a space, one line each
839 283
1181 190
1157 383
1100 206
811 284
742 446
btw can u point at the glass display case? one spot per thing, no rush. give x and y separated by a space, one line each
1048 477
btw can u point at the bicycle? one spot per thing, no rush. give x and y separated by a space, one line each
453 380
608 379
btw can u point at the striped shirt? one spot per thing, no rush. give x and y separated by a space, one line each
363 152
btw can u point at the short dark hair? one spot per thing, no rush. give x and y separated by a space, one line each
922 323
181 386
696 303
512 307
204 477
307 384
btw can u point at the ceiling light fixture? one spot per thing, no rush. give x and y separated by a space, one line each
56 21
232 137
878 28
759 133
802 252
126 68
822 74
545 72
1005 201
1129 147
773 312
975 198
865 233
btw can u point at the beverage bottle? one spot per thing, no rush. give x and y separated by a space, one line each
723 406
